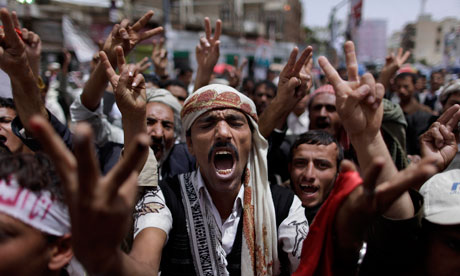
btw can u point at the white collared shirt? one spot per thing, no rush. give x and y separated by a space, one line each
229 227
298 125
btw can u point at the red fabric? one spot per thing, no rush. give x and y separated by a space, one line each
317 251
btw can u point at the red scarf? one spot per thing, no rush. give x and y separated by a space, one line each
318 248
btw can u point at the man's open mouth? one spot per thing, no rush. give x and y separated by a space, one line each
309 189
158 147
224 161
322 124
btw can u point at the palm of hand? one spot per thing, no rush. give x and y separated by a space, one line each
133 99
356 116
207 57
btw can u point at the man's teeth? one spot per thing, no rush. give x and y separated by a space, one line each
222 152
309 189
227 171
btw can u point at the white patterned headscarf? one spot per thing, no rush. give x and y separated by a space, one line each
259 255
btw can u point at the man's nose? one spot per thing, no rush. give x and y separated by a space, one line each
222 131
309 172
323 111
157 131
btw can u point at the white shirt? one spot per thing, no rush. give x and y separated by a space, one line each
103 130
298 125
291 232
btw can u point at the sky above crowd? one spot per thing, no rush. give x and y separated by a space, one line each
397 12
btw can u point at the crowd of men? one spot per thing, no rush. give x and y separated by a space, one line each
141 174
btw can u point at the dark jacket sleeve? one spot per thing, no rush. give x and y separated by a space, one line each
32 143
392 245
107 154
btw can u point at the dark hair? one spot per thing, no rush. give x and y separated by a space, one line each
317 137
184 70
174 82
436 72
245 83
405 75
152 78
7 102
32 171
270 85
420 75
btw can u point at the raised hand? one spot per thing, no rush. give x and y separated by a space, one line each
100 207
295 80
128 36
13 57
358 100
208 51
393 63
439 141
128 86
294 83
33 45
14 61
142 65
160 58
235 75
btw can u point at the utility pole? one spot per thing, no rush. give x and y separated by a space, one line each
333 29
422 7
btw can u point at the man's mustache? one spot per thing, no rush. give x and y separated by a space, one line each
223 145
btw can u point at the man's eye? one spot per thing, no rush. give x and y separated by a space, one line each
206 125
322 165
330 108
300 164
151 122
236 123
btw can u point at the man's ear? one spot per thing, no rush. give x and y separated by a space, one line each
189 144
61 252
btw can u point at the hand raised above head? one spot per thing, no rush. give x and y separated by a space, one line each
295 79
439 141
128 36
13 56
128 86
33 45
208 51
143 65
236 74
358 100
393 63
160 57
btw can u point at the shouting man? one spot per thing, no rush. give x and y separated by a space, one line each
231 214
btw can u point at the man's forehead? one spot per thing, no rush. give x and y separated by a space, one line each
316 151
6 111
159 107
321 98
